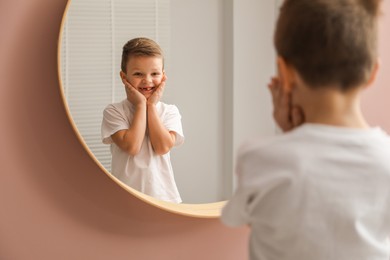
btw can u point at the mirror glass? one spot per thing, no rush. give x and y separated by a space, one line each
218 59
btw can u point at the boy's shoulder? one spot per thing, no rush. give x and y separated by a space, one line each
118 105
167 105
167 108
120 110
310 140
264 145
315 149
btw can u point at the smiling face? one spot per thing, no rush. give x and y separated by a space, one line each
144 73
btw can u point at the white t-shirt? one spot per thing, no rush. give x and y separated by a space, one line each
316 193
146 172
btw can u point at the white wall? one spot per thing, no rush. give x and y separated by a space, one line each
221 58
254 64
195 78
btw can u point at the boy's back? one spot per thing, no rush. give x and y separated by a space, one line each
318 192
322 190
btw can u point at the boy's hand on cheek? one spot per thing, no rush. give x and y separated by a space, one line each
133 95
286 116
157 94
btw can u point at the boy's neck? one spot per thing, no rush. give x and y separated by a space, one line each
331 107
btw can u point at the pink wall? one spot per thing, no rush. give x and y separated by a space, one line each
376 102
55 202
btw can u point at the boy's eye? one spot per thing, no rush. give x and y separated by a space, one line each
137 74
156 74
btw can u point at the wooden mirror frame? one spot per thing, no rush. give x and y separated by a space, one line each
206 210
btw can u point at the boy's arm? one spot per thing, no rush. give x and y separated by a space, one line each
130 140
161 138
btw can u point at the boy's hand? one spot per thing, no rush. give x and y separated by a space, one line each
157 94
133 95
286 116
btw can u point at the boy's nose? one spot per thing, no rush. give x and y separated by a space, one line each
147 79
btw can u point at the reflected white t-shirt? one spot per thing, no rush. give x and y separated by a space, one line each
146 172
316 193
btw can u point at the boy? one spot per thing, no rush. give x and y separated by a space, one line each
142 130
321 190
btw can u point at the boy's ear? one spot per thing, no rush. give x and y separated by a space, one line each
374 73
286 74
123 76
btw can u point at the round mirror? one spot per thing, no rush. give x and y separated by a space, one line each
218 59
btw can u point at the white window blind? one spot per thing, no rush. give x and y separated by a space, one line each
91 47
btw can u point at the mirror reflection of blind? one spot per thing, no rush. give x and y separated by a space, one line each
91 46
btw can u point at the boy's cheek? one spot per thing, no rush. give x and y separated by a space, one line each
157 81
133 82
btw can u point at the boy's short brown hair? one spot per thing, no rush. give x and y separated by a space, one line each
329 42
139 47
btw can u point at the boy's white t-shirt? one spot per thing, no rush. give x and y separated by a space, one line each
318 192
146 172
